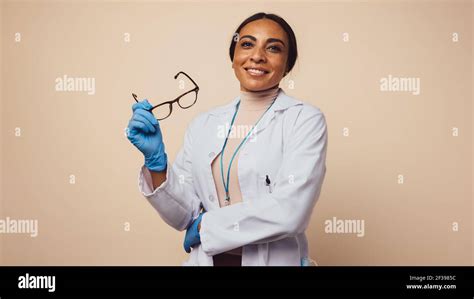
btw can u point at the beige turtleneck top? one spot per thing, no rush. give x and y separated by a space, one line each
252 106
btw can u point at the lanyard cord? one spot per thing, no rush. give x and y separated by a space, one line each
226 186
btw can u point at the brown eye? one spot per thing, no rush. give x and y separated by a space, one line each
275 48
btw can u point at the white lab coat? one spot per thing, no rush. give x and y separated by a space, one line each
289 145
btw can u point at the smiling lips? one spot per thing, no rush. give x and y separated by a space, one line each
256 72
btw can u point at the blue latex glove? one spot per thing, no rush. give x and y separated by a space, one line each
192 237
144 132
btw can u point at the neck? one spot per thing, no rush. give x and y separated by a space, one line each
257 100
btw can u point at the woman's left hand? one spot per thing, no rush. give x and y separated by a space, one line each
192 237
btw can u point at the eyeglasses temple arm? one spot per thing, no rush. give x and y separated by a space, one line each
176 76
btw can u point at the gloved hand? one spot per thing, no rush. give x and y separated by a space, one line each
144 132
192 237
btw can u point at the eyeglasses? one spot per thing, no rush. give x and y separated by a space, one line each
185 100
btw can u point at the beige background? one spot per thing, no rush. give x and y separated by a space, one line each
391 133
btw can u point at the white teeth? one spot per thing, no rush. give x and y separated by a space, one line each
255 72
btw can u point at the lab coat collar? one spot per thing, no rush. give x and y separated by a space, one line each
282 102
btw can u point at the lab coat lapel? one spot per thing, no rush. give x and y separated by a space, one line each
215 137
224 115
281 102
222 119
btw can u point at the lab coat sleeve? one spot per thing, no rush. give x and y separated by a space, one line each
287 210
175 199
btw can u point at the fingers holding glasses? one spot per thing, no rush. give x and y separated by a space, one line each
148 116
142 119
142 105
137 126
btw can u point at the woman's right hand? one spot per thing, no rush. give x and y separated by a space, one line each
144 133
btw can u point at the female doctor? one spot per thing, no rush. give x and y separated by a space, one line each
258 189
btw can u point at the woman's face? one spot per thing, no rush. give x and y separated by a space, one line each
261 55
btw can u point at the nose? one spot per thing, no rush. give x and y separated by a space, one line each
258 55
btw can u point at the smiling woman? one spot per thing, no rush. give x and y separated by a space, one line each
243 199
264 51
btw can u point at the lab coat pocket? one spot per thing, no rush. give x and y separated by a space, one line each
266 184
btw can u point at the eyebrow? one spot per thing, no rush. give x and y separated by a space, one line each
269 40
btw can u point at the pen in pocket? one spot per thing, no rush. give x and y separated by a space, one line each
268 183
